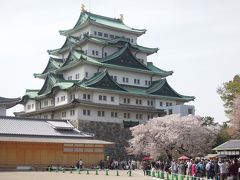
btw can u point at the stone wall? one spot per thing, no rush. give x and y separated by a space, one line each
113 132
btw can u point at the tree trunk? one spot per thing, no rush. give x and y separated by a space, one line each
169 154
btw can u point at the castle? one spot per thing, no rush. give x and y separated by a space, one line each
102 74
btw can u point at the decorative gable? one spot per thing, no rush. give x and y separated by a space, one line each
107 83
101 80
125 58
52 65
166 90
47 86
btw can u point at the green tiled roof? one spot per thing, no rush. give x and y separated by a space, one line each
72 42
32 93
157 70
87 17
71 59
123 41
162 88
54 81
124 57
76 57
121 60
101 80
29 94
53 64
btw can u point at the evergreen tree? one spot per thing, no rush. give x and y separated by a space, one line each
228 93
223 134
209 121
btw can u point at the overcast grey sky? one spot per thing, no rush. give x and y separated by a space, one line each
198 39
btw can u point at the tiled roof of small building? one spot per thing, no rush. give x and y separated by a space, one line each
229 145
31 127
8 102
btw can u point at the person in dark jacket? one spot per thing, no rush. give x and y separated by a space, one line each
233 169
101 164
216 170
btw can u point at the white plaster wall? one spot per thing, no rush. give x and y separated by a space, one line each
46 114
69 116
81 70
110 50
145 101
2 111
157 103
60 94
94 115
108 95
131 76
32 103
134 98
107 118
90 69
82 31
49 103
58 115
182 109
72 92
143 56
96 47
80 95
73 71
114 32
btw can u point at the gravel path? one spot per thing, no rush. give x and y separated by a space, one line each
136 175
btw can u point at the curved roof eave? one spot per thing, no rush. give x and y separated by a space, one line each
40 76
164 82
98 78
69 31
137 94
143 49
113 67
132 31
89 21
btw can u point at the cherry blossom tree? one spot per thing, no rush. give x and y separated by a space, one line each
171 135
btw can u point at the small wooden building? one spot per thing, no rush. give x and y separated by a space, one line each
230 148
44 142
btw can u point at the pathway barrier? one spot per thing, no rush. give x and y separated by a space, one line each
154 173
117 173
107 172
168 176
129 172
96 172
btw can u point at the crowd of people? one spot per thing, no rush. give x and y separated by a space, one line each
211 169
219 169
113 164
123 165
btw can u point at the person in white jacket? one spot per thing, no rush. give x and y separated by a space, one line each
223 169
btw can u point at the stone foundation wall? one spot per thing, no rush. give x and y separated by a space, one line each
113 132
